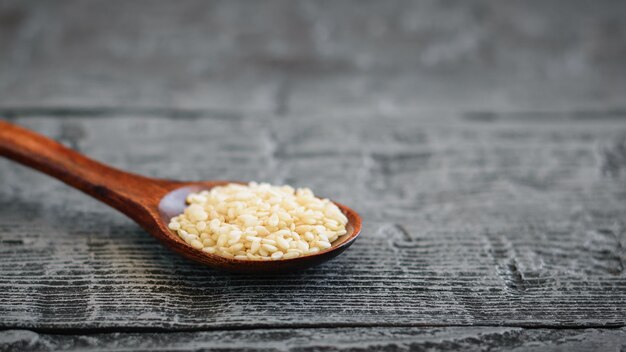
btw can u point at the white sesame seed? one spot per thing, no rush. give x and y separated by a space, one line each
282 243
190 237
323 244
236 247
309 236
196 244
255 247
273 220
269 247
290 255
303 246
214 225
223 239
277 255
226 254
201 225
313 250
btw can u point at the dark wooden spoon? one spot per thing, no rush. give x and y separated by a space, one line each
150 202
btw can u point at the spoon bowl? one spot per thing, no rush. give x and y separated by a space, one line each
173 204
150 202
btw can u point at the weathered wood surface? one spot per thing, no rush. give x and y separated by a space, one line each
324 56
467 222
483 142
337 339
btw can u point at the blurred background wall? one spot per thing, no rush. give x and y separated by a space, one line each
315 57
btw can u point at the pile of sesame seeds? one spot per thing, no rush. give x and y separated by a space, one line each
259 221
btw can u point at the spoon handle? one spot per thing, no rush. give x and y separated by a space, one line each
121 190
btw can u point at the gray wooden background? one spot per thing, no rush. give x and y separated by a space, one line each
483 142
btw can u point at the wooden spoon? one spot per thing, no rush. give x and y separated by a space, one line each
150 202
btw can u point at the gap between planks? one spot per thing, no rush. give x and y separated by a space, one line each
123 329
12 112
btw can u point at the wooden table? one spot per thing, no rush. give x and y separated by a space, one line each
484 144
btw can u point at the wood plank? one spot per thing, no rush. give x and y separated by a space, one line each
340 339
304 56
504 221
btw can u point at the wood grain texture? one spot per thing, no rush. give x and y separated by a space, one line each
468 220
322 56
339 339
483 142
